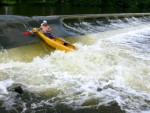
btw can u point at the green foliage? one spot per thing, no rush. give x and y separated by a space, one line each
121 3
144 4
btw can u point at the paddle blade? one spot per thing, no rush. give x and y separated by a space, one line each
26 33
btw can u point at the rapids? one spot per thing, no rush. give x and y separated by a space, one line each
109 72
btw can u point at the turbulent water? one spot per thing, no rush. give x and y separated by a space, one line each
110 71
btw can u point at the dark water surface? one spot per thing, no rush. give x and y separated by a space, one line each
28 10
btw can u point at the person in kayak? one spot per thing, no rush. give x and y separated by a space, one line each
46 29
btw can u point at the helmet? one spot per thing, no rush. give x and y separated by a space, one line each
44 22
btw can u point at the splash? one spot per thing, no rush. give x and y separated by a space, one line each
113 69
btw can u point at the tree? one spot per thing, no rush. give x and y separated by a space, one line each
58 2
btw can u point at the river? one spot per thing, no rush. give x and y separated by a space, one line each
42 10
109 73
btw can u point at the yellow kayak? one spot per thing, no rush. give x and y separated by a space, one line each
56 42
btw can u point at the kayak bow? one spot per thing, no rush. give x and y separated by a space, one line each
55 42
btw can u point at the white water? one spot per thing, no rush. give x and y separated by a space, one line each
114 68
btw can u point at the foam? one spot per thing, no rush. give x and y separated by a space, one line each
108 70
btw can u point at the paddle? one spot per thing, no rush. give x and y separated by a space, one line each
31 32
26 33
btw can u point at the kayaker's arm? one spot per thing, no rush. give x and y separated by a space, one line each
39 29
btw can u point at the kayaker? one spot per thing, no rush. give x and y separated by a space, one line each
46 29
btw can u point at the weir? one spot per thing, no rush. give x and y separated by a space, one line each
106 16
11 26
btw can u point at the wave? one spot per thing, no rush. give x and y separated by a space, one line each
12 28
109 72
